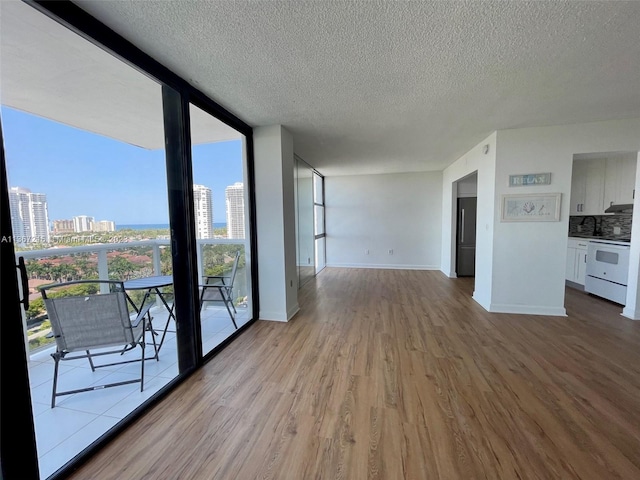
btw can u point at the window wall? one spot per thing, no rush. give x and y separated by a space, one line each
101 183
319 223
309 197
96 167
305 248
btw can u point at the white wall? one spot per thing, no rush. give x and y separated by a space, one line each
529 260
485 164
521 270
401 212
275 218
468 186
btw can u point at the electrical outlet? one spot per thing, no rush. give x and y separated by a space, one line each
390 251
366 252
616 230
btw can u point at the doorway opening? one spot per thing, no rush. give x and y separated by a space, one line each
466 209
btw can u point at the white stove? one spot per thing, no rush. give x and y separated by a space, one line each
608 269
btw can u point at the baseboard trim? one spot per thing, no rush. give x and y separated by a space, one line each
292 311
527 310
484 305
272 317
630 313
383 266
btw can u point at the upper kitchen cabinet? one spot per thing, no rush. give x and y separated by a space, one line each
601 180
587 187
620 179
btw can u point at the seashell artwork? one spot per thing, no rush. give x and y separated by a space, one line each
531 207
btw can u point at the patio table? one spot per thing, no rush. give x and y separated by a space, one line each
152 285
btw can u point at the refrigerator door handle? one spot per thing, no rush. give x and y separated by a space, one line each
462 227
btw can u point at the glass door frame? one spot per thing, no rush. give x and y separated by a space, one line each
321 205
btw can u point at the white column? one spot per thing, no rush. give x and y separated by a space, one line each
157 263
275 218
632 307
103 269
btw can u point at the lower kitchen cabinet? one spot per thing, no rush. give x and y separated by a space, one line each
576 269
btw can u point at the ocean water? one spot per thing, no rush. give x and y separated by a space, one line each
155 226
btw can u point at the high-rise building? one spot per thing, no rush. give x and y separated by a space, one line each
203 205
235 210
103 226
63 226
29 216
82 223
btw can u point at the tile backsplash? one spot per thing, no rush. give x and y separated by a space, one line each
607 223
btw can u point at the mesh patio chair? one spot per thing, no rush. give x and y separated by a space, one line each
218 288
96 324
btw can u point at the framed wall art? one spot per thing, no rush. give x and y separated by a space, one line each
533 207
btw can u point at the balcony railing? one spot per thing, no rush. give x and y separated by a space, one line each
155 266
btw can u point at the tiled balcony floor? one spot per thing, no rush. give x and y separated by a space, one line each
81 418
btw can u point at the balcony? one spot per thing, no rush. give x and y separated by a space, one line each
80 419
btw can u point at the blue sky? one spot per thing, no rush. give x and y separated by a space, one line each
87 174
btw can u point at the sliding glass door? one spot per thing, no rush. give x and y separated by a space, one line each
101 182
87 190
221 207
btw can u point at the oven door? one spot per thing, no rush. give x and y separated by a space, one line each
608 262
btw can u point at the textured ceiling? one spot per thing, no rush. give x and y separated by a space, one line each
380 86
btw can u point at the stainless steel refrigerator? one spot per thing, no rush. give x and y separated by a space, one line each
466 237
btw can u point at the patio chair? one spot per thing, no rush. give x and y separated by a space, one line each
96 324
217 288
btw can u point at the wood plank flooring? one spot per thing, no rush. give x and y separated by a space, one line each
391 374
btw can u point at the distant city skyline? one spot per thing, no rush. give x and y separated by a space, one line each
24 216
123 183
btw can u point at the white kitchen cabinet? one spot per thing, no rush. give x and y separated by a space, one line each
576 268
587 187
620 180
578 187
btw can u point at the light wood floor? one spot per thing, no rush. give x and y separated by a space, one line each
401 375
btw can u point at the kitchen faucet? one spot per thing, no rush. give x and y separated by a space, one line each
596 225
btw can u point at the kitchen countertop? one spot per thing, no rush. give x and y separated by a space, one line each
615 239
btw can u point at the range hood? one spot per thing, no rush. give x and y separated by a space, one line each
620 208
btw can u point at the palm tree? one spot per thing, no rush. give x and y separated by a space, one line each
120 268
